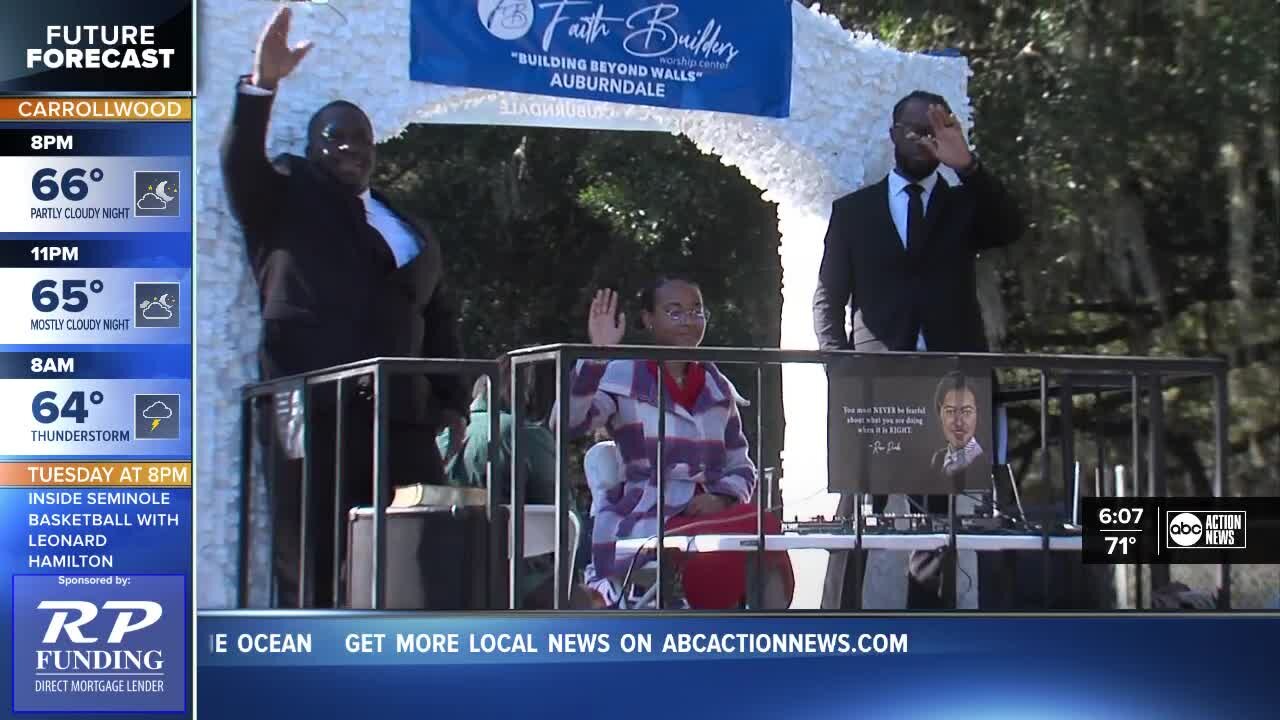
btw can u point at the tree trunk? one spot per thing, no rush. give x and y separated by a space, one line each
1240 210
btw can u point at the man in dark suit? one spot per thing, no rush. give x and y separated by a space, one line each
342 276
902 254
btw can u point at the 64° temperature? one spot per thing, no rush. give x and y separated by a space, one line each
45 408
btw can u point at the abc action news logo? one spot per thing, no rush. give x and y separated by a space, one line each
1205 529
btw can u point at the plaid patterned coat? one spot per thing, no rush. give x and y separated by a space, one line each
704 446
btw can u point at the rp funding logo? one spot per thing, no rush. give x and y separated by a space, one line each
99 643
506 19
1219 529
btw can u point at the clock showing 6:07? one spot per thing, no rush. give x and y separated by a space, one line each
1120 516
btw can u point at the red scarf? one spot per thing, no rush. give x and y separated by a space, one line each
695 377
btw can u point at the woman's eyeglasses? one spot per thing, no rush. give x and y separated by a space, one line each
692 316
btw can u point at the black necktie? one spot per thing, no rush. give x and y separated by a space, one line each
915 216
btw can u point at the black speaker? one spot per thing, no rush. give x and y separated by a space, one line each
1015 580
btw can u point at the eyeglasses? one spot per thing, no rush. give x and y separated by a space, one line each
967 412
342 136
701 315
914 134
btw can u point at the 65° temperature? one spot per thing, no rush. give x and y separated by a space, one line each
73 298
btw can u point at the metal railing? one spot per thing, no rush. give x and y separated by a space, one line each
1100 374
379 371
1076 373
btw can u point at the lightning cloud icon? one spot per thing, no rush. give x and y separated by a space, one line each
156 412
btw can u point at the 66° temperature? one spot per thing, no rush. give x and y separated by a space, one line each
73 186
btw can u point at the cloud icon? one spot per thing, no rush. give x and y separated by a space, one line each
157 411
156 311
155 202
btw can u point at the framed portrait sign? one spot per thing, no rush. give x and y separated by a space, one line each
915 425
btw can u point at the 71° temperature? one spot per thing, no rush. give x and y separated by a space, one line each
1122 543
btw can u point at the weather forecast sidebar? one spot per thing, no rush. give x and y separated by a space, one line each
96 359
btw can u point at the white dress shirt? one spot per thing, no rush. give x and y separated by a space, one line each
400 237
898 201
956 460
251 89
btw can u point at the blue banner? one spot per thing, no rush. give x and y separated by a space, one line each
389 666
688 54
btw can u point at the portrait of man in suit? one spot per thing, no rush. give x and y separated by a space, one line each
901 254
343 275
956 405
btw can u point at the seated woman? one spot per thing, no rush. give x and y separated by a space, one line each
710 478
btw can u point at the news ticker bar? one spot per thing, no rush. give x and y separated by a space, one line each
279 639
427 641
679 664
1181 530
636 666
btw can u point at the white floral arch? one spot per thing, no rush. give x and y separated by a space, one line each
835 141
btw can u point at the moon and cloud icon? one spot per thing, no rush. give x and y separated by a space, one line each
159 309
157 304
156 193
151 313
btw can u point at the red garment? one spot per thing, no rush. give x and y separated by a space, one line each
718 580
695 377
